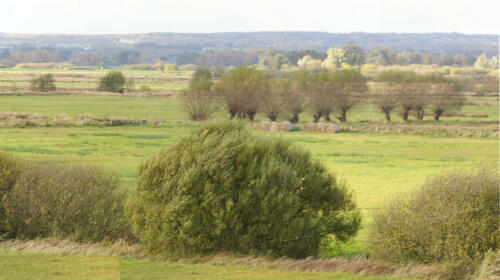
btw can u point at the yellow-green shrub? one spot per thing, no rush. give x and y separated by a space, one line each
81 203
452 219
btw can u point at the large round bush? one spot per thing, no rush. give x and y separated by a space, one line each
452 219
224 189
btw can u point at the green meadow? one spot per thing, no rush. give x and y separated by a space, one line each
76 267
376 167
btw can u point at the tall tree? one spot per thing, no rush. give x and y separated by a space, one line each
354 54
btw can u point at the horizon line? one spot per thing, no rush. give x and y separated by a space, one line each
243 32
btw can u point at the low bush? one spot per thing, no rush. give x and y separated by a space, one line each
81 203
453 219
113 81
224 189
43 83
144 88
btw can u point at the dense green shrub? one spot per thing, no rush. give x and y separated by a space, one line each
43 83
224 189
10 168
82 203
452 219
113 81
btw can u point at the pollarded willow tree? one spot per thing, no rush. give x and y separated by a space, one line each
295 98
408 89
420 100
348 87
445 97
272 104
242 90
387 99
335 92
320 94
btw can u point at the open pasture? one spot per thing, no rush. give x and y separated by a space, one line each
15 265
17 81
376 166
477 110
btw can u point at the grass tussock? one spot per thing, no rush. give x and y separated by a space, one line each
53 245
359 264
489 268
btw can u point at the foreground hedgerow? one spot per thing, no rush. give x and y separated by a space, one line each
453 219
224 189
49 199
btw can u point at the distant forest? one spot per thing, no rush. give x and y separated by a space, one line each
224 49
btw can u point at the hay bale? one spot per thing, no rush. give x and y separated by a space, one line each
263 126
274 126
332 128
61 119
320 127
308 127
286 126
117 121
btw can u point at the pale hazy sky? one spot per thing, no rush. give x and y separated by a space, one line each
138 16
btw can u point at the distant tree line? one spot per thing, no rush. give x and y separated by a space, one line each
350 53
171 45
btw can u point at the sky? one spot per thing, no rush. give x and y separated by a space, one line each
205 16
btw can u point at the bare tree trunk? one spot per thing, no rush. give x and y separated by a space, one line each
387 113
250 115
294 118
437 114
420 114
343 115
272 117
405 114
232 114
326 117
316 117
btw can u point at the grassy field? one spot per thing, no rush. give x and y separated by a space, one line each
169 109
376 166
13 80
21 266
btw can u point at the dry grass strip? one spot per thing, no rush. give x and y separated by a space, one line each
358 265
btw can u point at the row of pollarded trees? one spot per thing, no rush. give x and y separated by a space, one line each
407 92
244 91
